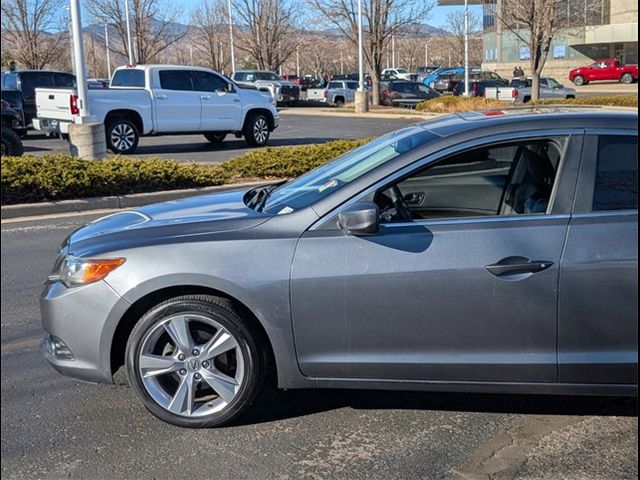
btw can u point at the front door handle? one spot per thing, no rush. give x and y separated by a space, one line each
514 265
205 97
160 96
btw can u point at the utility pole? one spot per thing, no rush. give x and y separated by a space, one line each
297 62
191 55
78 56
233 56
129 44
426 54
73 60
341 62
466 48
106 45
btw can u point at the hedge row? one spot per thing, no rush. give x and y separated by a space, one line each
59 177
451 104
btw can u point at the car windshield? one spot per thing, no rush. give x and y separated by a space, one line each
402 70
326 179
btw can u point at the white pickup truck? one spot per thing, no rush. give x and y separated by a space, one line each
519 90
163 99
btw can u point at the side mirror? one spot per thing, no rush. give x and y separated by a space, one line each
231 88
361 218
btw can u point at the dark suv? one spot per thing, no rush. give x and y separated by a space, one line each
26 82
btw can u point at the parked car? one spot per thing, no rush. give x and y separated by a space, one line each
400 73
163 99
446 82
477 86
12 100
284 92
479 252
429 81
12 131
519 90
339 92
26 82
607 69
405 94
424 72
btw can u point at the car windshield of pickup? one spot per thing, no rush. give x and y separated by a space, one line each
328 178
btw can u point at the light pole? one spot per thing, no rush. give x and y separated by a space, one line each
106 46
78 57
129 44
393 51
233 56
362 104
466 48
297 62
426 54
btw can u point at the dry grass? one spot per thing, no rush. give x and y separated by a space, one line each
459 104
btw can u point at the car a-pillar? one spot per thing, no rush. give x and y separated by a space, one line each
87 140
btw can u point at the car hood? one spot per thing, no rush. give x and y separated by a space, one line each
157 223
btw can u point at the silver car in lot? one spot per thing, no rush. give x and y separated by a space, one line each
487 252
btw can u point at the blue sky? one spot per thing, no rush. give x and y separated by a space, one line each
439 14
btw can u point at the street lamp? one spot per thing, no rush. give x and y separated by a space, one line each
129 44
78 61
466 48
233 57
362 104
106 46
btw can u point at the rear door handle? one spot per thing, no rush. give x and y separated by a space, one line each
518 265
205 97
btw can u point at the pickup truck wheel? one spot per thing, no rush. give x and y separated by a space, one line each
215 137
339 101
11 143
256 130
627 79
122 136
578 80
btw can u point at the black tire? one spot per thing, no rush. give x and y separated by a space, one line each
11 143
570 97
256 130
221 311
122 135
578 80
627 79
215 137
526 99
339 101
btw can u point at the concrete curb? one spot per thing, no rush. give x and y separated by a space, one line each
114 202
351 114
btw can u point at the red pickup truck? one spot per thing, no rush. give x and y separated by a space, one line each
606 69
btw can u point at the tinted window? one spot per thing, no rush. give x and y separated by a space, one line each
616 186
175 80
133 78
9 81
208 82
64 80
334 85
31 80
352 85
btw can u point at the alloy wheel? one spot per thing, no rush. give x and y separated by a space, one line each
191 365
261 130
123 136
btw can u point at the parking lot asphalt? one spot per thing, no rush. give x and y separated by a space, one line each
56 427
293 130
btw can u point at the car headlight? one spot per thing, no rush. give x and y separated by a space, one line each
76 271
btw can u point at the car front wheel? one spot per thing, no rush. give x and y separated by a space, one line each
579 80
256 130
193 363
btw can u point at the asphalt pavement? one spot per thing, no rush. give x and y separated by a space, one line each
55 427
293 130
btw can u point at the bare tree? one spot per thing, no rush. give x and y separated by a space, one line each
152 23
382 19
536 23
455 39
209 33
30 26
267 30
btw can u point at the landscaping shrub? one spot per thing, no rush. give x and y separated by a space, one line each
58 177
451 104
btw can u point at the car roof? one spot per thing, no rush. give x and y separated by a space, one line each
534 118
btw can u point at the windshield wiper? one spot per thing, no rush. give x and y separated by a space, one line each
268 190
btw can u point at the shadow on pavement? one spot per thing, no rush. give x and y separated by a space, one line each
274 404
235 144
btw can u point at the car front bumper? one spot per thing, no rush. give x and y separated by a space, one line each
82 319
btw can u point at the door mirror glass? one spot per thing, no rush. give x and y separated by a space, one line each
231 88
360 219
